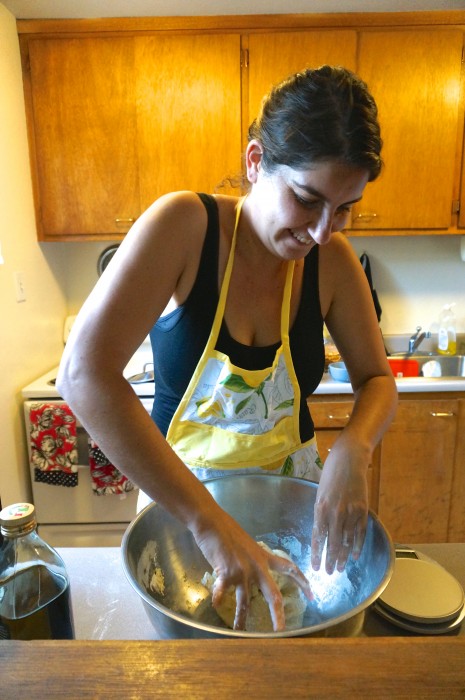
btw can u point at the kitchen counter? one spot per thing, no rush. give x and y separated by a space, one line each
44 386
117 655
404 385
108 608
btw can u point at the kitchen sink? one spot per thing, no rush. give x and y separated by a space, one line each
447 365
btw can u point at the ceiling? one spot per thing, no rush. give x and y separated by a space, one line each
56 9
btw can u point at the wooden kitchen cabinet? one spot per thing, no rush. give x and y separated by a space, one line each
120 111
189 117
274 56
414 76
82 131
461 200
116 122
457 503
416 472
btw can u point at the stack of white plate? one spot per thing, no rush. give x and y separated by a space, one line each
422 597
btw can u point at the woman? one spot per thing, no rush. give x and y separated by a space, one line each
238 290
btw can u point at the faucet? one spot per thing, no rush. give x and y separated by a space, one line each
416 340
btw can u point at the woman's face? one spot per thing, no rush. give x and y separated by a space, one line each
293 210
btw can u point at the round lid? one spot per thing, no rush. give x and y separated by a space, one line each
420 627
17 515
422 591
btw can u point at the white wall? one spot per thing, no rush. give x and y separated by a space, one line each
30 332
414 277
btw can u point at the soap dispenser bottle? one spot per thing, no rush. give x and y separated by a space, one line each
447 335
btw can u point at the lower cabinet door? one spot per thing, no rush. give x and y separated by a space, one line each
417 458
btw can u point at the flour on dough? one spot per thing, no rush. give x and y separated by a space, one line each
259 617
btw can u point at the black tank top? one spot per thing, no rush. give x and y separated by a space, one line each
179 338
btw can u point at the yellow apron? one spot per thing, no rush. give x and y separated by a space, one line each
235 419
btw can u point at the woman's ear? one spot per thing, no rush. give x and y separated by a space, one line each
253 159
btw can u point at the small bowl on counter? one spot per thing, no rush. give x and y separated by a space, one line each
338 371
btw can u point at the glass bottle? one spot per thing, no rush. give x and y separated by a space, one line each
35 600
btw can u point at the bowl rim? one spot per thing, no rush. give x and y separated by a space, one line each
226 631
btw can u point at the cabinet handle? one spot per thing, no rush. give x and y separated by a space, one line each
442 414
124 221
365 216
331 417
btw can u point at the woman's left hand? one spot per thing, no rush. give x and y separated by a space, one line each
341 508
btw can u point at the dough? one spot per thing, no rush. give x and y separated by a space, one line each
259 617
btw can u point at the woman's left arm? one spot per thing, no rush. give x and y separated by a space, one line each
341 508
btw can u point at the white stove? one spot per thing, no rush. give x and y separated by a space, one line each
76 516
44 387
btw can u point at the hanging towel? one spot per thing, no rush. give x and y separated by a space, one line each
53 444
365 260
106 478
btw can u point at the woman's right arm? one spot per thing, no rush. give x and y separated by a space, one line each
152 266
155 264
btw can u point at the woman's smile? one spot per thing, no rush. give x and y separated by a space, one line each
302 238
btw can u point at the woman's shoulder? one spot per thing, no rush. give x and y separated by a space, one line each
339 269
181 205
186 207
177 220
337 251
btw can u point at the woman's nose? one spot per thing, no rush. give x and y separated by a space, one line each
321 229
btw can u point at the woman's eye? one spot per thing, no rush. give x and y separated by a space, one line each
309 203
343 210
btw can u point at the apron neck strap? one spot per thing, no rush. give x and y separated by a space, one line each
286 305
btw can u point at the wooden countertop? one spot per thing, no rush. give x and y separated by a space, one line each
281 668
117 655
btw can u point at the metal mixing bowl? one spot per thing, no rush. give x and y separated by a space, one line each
165 566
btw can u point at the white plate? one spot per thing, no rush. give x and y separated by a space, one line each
422 592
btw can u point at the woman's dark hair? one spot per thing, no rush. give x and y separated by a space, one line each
319 115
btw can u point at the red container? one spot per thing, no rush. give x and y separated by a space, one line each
403 367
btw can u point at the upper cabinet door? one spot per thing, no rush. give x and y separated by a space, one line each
272 57
188 113
117 120
415 79
84 134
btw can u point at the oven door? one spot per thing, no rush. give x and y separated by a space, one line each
79 504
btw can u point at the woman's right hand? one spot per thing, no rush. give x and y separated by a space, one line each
239 561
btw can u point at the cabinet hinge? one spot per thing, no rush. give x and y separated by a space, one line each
455 206
244 58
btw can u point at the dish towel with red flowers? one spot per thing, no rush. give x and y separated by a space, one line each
106 478
53 444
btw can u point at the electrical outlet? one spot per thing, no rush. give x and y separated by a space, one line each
19 287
